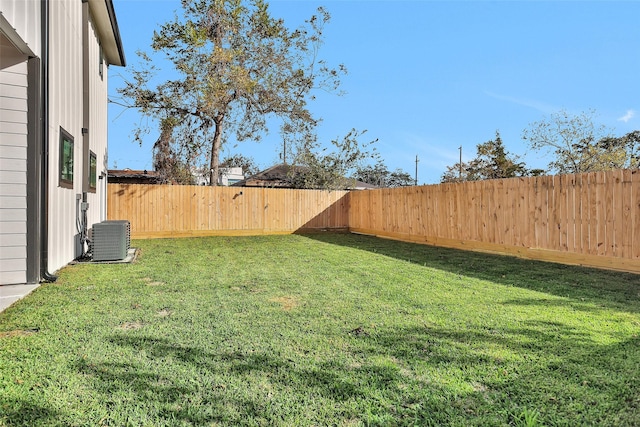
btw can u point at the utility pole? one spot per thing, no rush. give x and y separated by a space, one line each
460 164
416 179
284 150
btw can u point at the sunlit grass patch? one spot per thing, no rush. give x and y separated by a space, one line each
323 330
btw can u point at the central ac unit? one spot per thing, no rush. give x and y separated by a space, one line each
111 240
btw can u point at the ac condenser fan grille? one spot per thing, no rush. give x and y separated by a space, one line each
111 240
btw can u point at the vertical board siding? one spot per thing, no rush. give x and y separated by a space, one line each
24 17
591 219
173 210
98 126
65 110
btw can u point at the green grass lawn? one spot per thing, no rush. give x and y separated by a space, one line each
340 330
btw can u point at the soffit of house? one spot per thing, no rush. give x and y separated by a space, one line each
104 19
10 40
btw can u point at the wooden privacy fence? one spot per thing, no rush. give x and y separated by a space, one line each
188 210
589 219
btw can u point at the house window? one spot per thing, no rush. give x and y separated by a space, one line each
93 167
100 62
66 159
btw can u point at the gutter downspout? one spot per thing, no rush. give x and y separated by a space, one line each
86 140
44 179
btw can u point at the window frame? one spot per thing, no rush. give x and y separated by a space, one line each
93 172
65 180
100 62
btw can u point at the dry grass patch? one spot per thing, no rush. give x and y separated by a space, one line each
287 303
165 312
127 326
18 333
150 282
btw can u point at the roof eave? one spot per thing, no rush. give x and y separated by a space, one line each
104 17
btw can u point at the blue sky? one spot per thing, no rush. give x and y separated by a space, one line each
426 77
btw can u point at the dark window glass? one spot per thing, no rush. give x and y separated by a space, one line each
66 159
93 167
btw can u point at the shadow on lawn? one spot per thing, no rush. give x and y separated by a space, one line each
25 413
230 388
394 376
601 287
224 387
559 372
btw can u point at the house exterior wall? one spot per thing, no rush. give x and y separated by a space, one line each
67 103
75 97
13 169
65 113
19 37
230 176
24 16
98 127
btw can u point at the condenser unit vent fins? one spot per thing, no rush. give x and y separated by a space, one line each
111 240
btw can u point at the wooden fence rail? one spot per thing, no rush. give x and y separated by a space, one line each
589 219
186 210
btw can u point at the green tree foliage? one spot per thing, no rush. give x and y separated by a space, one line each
318 168
578 145
237 68
492 161
380 176
618 152
170 167
247 163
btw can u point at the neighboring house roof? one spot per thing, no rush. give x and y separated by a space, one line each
128 176
273 177
278 177
361 185
107 26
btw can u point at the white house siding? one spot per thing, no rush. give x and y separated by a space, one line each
13 168
98 125
24 16
65 110
20 21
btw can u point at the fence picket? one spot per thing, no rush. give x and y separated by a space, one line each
589 218
634 227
